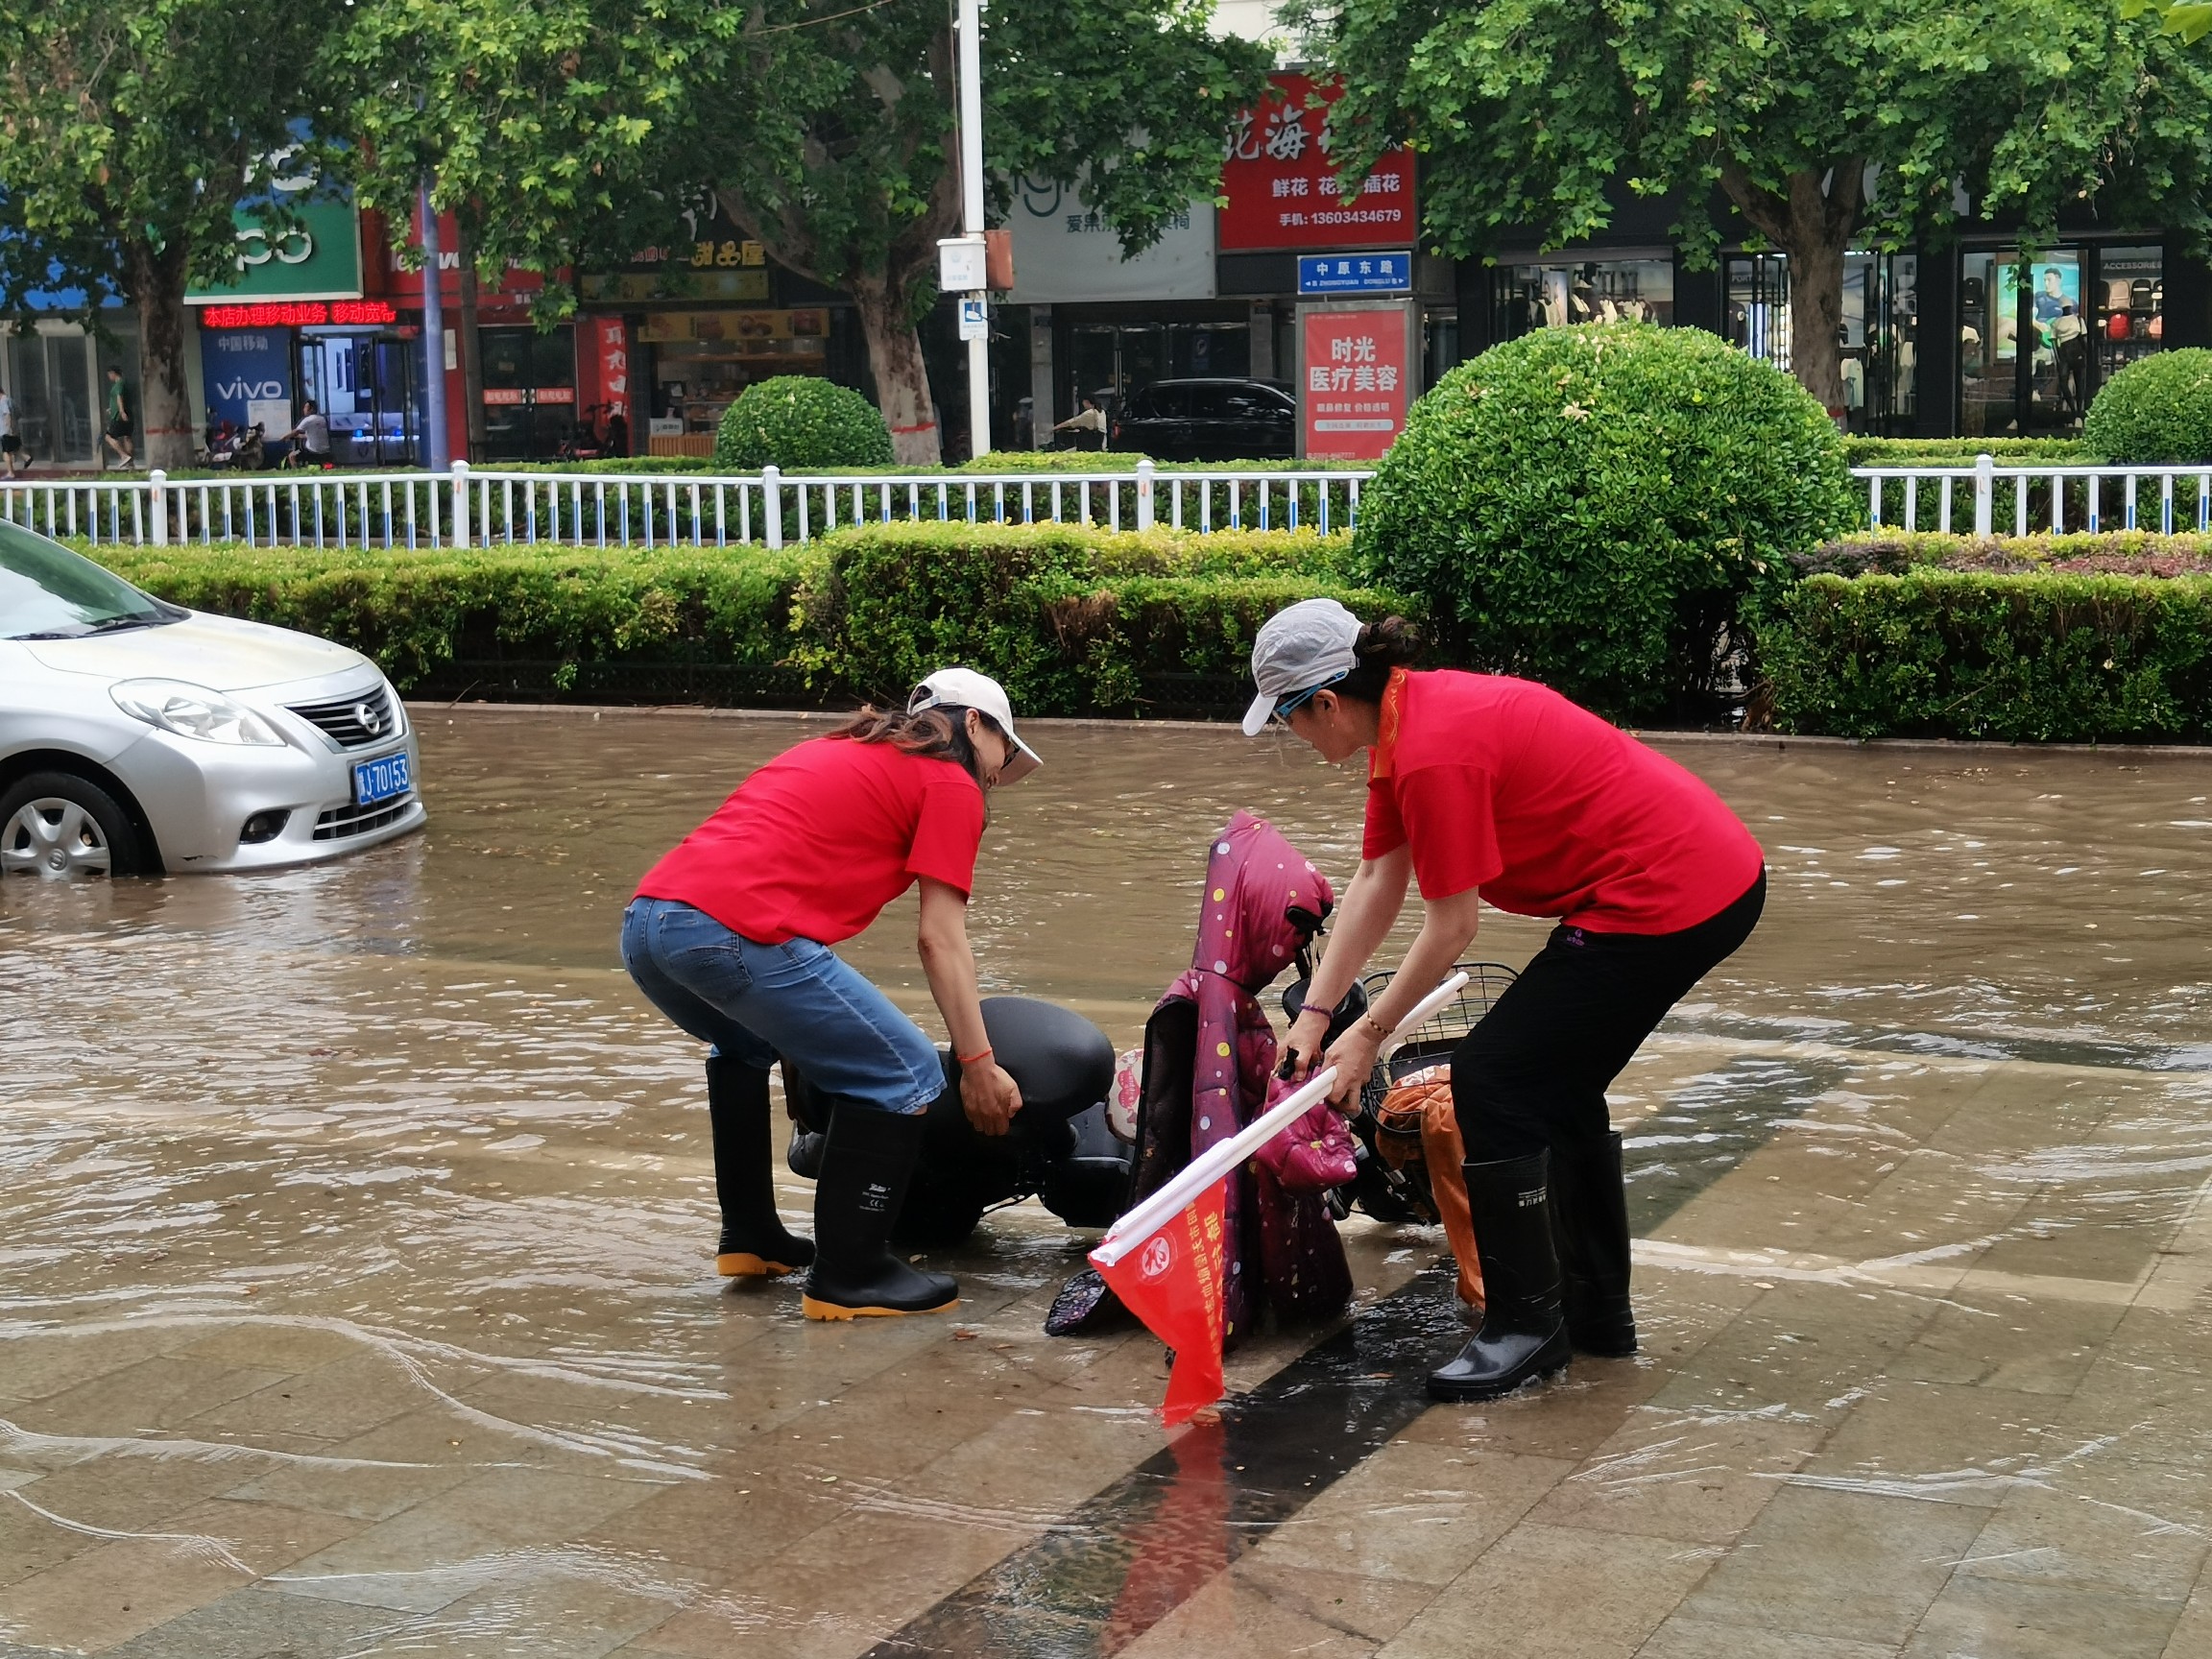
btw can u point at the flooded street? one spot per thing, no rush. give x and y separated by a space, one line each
357 1292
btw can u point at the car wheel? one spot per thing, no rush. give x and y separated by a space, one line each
62 827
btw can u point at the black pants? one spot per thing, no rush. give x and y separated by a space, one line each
1533 1073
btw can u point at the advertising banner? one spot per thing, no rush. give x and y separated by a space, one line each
247 374
611 354
317 258
1064 254
1283 188
1358 379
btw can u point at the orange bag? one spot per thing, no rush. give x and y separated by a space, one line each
1421 1103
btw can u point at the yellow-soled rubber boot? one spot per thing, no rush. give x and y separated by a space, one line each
866 1165
755 1244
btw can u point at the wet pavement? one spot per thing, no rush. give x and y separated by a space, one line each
356 1298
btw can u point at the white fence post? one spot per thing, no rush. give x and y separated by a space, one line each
1145 472
772 507
157 517
1985 492
460 503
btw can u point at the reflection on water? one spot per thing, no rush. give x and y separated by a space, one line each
373 1187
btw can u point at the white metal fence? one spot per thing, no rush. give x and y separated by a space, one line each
1987 499
489 508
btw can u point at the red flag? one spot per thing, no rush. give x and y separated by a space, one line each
1173 1282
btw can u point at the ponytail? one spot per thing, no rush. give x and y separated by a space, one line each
1390 644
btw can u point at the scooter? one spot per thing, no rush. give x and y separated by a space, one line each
1059 1148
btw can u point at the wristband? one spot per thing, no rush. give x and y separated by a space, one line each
1380 1030
971 1059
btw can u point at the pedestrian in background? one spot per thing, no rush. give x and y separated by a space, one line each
121 427
11 443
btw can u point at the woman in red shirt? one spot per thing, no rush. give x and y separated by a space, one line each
729 935
1485 787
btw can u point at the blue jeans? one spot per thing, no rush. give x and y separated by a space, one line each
797 999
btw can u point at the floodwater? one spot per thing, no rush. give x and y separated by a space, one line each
355 1285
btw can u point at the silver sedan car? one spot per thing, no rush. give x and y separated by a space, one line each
137 736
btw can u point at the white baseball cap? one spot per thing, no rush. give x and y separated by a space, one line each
1300 648
965 688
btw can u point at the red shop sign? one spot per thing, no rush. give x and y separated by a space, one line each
610 345
1358 380
1281 186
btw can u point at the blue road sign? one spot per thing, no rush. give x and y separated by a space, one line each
1355 273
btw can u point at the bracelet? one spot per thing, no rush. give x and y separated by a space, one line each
1368 1018
971 1059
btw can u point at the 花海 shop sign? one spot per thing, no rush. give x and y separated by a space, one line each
1283 189
1356 380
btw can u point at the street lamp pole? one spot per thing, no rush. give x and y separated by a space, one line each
435 445
971 211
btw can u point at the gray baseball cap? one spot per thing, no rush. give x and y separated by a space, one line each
1301 647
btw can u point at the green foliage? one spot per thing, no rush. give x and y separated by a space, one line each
2019 658
545 123
2156 411
2107 553
1076 621
1962 452
1533 118
415 611
837 146
1591 507
1072 621
801 422
129 134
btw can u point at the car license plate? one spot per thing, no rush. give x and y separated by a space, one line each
382 779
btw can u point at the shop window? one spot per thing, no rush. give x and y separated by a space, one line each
2038 338
529 391
1555 296
1757 306
50 379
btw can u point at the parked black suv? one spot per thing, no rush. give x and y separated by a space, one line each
1209 421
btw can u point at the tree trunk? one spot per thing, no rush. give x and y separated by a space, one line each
164 411
902 378
1812 225
471 345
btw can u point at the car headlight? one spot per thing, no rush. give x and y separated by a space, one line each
193 712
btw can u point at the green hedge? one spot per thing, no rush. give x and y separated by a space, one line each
2077 639
1076 621
2157 411
1073 621
417 613
1962 451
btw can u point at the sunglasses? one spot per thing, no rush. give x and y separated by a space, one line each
1298 700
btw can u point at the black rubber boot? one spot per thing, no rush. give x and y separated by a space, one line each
1590 1228
866 1165
1524 1332
754 1242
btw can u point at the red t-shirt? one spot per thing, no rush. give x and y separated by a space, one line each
815 844
1506 786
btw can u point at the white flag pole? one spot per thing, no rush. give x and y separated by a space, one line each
1216 1162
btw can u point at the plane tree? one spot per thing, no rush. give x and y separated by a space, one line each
1826 125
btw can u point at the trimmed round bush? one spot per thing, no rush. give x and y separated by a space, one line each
2156 411
801 421
1595 507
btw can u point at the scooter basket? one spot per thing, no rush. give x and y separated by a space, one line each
1394 1181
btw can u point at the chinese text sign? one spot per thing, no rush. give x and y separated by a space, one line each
1283 188
1356 382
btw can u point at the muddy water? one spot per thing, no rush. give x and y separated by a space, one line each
354 1191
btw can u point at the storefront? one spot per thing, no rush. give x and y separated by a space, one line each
55 377
293 325
2017 352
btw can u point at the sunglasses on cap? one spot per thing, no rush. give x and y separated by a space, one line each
1298 700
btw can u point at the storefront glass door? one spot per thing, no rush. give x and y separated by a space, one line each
50 379
2037 339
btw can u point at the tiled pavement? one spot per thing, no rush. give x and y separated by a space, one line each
1964 1412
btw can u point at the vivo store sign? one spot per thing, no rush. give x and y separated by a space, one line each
317 256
